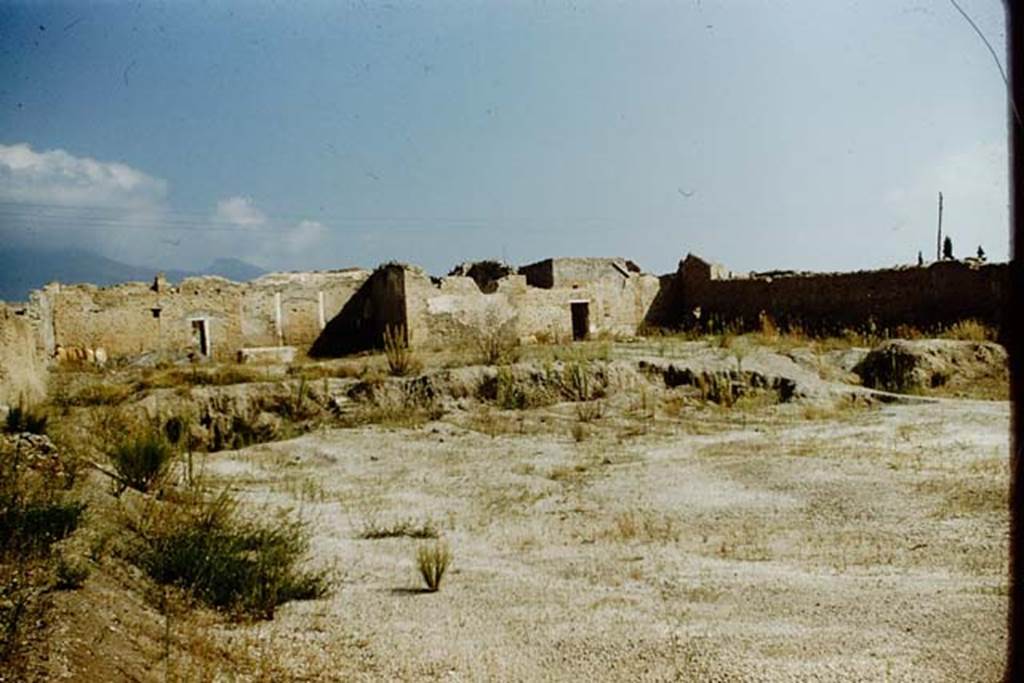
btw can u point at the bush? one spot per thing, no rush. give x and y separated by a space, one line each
589 411
497 343
70 574
970 330
25 418
234 565
509 394
433 560
373 530
401 361
142 459
29 527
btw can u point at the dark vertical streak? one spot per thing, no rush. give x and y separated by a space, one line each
1015 315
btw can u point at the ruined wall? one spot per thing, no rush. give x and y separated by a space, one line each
359 325
939 294
576 272
135 318
453 311
22 369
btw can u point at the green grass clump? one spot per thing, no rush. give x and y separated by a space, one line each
70 574
242 567
31 526
401 361
433 561
971 330
25 418
142 459
35 511
404 528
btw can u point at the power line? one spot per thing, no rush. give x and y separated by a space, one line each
995 57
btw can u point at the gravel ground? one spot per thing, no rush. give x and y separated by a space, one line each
768 544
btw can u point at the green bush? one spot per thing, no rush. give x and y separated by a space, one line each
34 526
238 566
401 361
25 418
33 511
70 574
510 395
142 459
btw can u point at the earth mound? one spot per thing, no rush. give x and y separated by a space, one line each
920 366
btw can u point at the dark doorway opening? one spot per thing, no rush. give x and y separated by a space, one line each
201 337
580 319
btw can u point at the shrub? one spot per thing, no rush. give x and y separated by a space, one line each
579 432
578 381
433 560
70 574
33 526
238 566
509 394
401 361
96 394
373 530
26 418
589 411
142 459
497 342
970 330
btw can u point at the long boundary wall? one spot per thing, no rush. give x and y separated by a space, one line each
926 297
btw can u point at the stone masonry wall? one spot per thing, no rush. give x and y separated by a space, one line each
926 297
22 369
135 318
452 311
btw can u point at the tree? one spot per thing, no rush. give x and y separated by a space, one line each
981 253
947 249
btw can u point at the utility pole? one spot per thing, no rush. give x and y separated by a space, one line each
938 242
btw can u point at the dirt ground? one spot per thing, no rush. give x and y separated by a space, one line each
799 541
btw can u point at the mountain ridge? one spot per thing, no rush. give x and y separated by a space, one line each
24 269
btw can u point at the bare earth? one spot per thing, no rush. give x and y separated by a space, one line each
870 545
661 538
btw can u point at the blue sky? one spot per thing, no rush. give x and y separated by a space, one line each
812 135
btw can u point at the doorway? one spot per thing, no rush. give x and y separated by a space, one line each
201 336
580 319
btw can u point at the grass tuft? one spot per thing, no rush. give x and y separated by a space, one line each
433 561
401 361
404 528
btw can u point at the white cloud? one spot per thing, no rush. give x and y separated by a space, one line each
54 177
304 236
241 211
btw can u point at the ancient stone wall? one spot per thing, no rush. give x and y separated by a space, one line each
926 297
454 310
22 369
359 325
135 318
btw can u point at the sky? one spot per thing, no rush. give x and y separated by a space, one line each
802 135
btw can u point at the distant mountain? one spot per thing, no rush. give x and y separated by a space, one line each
234 269
25 269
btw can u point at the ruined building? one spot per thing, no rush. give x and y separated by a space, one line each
339 312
